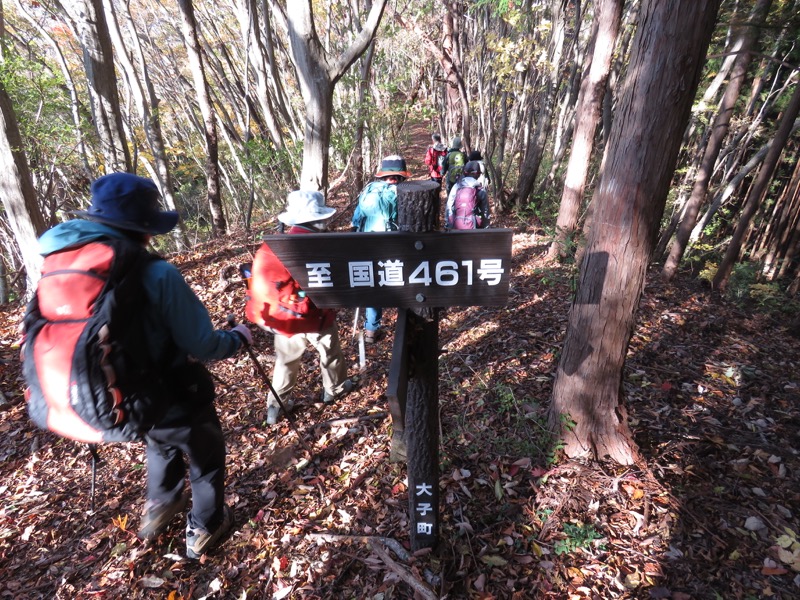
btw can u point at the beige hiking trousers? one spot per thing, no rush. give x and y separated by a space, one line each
289 355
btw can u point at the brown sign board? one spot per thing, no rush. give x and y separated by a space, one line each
402 269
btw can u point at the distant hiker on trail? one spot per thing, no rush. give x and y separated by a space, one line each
468 203
377 211
453 163
434 157
175 328
484 180
276 303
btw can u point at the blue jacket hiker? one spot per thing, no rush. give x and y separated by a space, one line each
377 211
179 333
377 208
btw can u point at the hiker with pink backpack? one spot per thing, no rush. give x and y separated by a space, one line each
467 203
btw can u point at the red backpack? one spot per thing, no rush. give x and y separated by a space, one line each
86 363
276 301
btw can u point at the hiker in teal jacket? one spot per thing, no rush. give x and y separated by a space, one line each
376 210
177 326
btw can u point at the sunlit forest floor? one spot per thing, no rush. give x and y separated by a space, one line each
712 389
712 392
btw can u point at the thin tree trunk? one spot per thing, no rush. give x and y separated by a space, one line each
590 103
251 33
722 196
144 96
18 197
190 38
276 80
91 28
68 82
457 120
756 193
789 219
749 37
536 144
363 88
790 250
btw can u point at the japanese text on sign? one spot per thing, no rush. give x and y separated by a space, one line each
424 508
392 273
400 269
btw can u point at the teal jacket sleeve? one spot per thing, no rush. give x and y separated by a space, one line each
176 317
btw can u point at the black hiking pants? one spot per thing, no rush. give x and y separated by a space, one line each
195 434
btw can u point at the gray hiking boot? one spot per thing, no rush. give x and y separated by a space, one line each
274 411
347 387
372 335
157 515
199 541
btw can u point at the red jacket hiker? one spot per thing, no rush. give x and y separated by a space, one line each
434 157
276 302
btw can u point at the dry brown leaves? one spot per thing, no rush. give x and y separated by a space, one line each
712 511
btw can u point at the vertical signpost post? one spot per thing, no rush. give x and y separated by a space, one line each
418 270
418 212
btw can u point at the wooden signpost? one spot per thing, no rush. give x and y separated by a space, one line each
399 268
418 270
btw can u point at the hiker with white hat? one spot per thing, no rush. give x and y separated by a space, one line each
277 303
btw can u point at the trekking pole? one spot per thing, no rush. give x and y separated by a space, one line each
355 322
96 460
362 353
260 370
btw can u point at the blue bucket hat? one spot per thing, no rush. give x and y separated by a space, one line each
129 202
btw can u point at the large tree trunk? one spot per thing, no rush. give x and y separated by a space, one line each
89 21
190 38
19 197
590 103
719 130
668 56
757 191
318 73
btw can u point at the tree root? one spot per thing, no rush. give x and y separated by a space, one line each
379 544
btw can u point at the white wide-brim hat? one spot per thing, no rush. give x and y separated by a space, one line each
305 207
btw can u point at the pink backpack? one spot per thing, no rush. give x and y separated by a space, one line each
465 206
